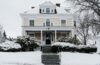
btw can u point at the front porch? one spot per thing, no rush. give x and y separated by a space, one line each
49 37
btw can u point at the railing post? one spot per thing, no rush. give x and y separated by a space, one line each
55 35
41 36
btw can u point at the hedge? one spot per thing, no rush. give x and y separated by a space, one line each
86 49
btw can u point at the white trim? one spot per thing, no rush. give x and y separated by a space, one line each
41 36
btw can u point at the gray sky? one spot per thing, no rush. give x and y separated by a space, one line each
10 14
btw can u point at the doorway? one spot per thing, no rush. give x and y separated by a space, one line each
48 37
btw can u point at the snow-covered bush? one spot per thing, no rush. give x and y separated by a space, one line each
27 44
63 46
56 49
9 46
73 40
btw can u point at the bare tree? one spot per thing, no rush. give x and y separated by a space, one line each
83 30
93 6
93 9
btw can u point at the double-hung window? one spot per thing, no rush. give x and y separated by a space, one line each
47 10
47 22
31 22
63 22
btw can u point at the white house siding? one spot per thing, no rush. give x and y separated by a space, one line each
40 27
40 19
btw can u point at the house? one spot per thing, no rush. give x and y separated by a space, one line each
48 22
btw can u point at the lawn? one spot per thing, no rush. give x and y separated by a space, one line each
34 58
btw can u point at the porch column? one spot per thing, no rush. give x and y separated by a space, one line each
41 36
55 35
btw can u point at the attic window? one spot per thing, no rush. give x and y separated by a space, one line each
52 10
47 10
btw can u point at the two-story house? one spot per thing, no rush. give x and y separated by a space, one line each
48 21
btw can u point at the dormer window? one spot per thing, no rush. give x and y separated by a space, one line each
52 10
47 10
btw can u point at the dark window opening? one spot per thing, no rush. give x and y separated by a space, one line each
31 22
47 10
63 22
40 10
47 22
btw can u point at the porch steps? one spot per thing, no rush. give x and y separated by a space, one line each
49 58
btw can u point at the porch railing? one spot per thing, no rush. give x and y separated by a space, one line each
48 28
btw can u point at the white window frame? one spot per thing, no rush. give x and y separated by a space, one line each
63 22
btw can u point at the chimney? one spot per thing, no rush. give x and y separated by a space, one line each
58 4
32 7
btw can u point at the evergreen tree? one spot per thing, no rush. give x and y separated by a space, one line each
4 34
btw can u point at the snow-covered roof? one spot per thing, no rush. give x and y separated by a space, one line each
47 3
60 10
35 10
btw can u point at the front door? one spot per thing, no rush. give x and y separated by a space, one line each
48 38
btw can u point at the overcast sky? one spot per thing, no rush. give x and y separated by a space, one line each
10 14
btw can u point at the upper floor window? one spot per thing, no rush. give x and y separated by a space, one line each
47 22
51 24
43 24
43 10
47 10
63 22
31 22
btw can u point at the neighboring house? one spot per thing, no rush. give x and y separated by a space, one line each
48 21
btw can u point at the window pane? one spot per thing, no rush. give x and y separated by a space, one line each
31 22
63 22
43 24
51 24
47 22
48 10
43 10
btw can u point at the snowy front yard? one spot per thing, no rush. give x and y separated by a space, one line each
34 58
20 58
68 58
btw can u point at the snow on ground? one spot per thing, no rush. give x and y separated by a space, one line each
98 45
34 58
68 58
9 44
20 58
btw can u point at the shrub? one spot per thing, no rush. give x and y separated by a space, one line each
12 50
73 40
87 50
27 44
56 49
70 49
78 48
